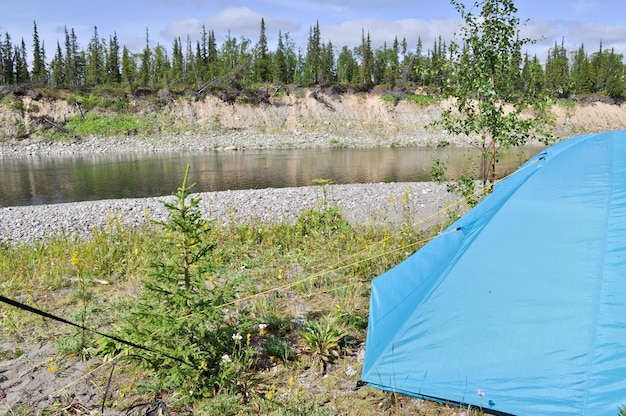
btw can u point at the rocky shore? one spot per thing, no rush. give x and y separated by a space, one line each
396 204
187 141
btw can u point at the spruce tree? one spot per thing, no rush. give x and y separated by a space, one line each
366 68
113 60
146 62
38 73
261 65
557 71
7 70
129 67
95 61
57 68
313 58
21 65
580 73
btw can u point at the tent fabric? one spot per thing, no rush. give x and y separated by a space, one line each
519 307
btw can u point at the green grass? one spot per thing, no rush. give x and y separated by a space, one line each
389 98
101 125
317 270
421 99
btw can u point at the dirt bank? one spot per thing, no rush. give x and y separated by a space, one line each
342 119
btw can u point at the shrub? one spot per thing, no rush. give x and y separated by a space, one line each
179 314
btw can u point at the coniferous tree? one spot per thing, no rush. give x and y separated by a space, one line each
599 70
580 73
57 69
38 73
21 66
366 68
113 60
327 64
129 67
177 70
557 71
189 76
212 56
284 61
160 69
393 70
146 62
347 67
532 76
7 70
95 61
261 66
279 63
313 58
614 84
437 71
73 64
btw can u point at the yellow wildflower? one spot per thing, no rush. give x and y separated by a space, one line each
75 260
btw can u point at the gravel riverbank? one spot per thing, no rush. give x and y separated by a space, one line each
187 141
397 204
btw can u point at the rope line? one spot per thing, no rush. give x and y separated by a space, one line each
48 315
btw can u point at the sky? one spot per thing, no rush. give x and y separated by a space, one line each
576 22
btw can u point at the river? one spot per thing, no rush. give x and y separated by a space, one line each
36 180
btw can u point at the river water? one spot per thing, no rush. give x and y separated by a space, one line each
35 180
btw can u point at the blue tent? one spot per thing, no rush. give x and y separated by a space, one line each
519 307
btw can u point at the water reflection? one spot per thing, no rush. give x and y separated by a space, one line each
38 180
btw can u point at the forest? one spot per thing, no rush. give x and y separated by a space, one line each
240 63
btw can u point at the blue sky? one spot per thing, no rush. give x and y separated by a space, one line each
577 21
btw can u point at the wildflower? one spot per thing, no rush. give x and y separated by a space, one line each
52 368
280 274
271 392
262 326
248 335
237 337
226 358
480 392
75 260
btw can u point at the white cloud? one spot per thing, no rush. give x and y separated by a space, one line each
240 21
380 31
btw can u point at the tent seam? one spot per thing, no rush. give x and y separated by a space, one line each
599 286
